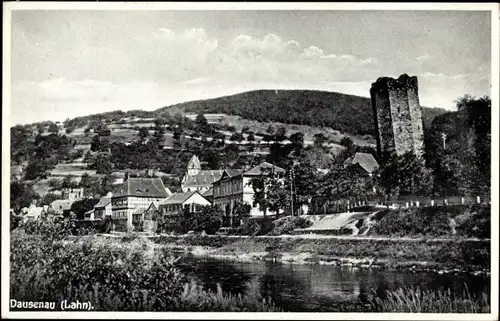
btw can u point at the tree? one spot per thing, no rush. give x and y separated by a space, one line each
159 133
208 219
53 128
143 133
81 206
88 159
270 191
237 137
40 129
102 163
348 144
85 181
67 182
405 175
250 137
106 185
297 141
21 195
270 130
241 211
280 134
177 134
69 130
48 198
38 168
319 140
102 129
201 123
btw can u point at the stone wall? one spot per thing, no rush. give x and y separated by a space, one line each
416 116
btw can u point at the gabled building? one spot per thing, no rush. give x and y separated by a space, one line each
235 186
174 204
103 208
366 161
34 213
134 193
196 179
59 206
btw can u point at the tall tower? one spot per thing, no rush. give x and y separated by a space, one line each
397 115
194 166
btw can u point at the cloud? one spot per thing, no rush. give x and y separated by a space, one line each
165 66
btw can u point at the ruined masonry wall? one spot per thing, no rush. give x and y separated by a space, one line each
401 120
383 118
397 115
416 120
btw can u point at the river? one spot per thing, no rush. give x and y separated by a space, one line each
319 288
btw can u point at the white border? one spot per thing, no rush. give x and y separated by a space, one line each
495 49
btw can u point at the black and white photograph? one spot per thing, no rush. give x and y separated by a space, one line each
250 160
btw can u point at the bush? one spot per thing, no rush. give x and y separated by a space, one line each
257 226
436 221
286 225
125 279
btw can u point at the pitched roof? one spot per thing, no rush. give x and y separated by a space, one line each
61 205
208 193
142 187
258 170
34 211
194 162
202 178
103 202
178 198
366 161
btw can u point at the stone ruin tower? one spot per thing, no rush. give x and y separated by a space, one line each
397 115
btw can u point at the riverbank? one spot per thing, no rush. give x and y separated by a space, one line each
438 255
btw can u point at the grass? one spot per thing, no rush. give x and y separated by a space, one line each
415 300
194 298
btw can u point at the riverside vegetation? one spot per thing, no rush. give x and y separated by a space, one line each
49 264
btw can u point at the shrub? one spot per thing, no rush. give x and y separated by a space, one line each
286 225
434 221
110 278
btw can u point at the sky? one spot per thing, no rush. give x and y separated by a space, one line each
72 63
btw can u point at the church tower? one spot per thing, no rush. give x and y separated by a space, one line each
194 166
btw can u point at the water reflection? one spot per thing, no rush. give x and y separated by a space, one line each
318 287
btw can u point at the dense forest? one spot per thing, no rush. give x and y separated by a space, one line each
346 113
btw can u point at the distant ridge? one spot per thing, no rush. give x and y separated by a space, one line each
346 113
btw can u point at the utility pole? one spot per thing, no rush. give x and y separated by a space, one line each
291 190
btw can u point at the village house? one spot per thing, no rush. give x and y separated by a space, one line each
135 192
73 194
179 201
235 186
34 213
144 219
103 207
59 206
366 161
173 207
197 179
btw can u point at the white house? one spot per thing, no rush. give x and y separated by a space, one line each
178 201
235 186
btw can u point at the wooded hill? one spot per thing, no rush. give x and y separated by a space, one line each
347 113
